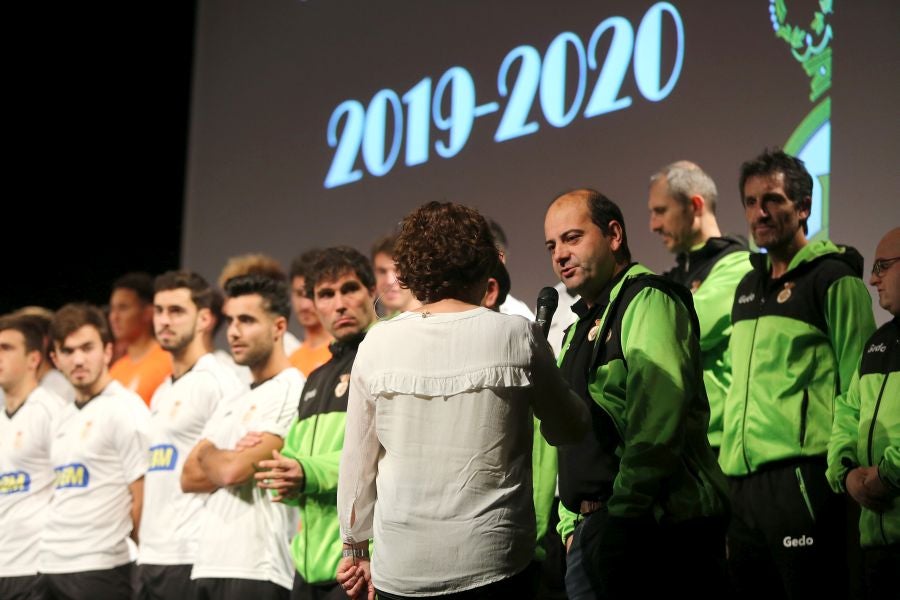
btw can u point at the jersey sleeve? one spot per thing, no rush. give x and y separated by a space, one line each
714 298
848 313
662 376
130 439
844 435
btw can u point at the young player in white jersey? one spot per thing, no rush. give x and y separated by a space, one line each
243 550
183 307
26 475
99 453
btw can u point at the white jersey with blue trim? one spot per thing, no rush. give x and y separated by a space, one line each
244 535
26 480
179 410
97 451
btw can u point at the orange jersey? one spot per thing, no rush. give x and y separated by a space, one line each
143 376
307 359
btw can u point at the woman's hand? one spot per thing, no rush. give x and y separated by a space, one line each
355 576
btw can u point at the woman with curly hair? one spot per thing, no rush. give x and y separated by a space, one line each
436 465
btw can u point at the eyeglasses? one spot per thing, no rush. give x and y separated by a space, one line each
883 264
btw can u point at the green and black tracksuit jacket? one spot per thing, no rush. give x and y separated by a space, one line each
712 272
795 344
646 375
866 431
315 440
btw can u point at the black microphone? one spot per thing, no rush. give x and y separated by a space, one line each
548 300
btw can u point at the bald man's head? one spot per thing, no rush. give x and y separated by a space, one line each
886 271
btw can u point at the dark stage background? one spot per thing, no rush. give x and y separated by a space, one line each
251 163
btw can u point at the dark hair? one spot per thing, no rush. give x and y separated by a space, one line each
274 292
31 329
337 261
498 233
216 303
41 317
384 245
201 291
302 265
139 282
443 250
72 317
501 274
798 183
603 210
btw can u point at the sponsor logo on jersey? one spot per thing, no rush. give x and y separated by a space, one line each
802 541
163 457
876 348
746 298
15 482
74 475
309 395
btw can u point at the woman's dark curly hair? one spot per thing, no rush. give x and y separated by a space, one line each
443 250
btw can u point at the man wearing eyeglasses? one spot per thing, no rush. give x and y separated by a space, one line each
800 319
864 452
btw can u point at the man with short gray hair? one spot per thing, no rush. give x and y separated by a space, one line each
683 212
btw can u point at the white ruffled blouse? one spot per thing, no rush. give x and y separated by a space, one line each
436 465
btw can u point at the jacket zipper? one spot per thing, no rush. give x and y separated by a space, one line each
762 301
874 419
869 449
804 408
805 495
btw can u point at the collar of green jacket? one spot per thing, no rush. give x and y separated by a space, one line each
710 248
610 291
810 253
340 347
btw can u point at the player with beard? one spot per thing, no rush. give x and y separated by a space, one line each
243 549
183 306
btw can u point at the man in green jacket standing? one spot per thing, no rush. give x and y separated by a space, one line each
864 452
305 473
648 503
682 203
800 319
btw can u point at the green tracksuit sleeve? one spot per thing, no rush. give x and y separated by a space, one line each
714 298
889 468
566 525
656 344
848 313
543 464
320 464
844 435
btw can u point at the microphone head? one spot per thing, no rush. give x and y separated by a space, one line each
549 298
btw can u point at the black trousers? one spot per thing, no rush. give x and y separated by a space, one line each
640 558
19 588
107 584
165 582
882 567
239 589
312 591
788 533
